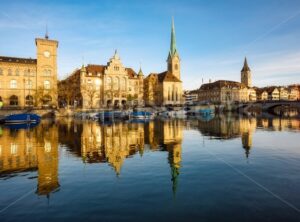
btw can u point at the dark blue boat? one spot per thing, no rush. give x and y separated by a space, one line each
19 126
22 118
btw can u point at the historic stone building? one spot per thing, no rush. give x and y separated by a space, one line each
223 91
165 88
30 82
111 85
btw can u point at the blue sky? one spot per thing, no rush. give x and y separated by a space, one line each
213 37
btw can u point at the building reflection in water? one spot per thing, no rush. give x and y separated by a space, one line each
114 143
226 127
30 150
111 143
37 148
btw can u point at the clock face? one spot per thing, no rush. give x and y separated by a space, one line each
47 54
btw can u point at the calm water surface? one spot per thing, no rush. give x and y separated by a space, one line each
225 169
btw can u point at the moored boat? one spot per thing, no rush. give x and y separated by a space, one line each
22 118
141 115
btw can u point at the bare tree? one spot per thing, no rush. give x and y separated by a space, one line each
91 92
43 96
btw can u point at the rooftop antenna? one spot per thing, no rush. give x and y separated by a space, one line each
46 34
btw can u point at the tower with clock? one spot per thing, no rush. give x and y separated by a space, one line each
46 75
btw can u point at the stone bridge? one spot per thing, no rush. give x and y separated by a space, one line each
269 105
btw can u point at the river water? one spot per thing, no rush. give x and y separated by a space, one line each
225 169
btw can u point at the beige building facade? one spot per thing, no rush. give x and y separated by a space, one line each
27 82
225 91
104 86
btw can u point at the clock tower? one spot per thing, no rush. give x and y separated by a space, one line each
46 74
173 56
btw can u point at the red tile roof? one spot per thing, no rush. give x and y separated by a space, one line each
222 83
164 77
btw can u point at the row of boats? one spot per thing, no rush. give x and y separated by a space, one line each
143 115
32 118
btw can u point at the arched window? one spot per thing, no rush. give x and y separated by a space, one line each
29 100
109 83
123 84
47 84
13 84
46 100
116 83
1 71
176 66
13 100
9 72
17 72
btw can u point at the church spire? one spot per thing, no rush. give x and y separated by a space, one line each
173 49
246 67
140 71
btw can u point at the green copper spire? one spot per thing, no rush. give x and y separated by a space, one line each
140 72
173 49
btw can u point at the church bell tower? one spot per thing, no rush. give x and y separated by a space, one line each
246 74
173 57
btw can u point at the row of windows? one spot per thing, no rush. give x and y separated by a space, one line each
173 96
29 100
13 84
26 72
114 83
118 84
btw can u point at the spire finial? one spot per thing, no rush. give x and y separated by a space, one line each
116 56
140 71
245 67
173 49
46 34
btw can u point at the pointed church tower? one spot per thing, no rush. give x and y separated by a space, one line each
246 74
173 57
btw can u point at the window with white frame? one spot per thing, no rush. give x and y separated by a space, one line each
13 84
47 84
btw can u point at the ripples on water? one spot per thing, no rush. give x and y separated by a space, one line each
225 169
